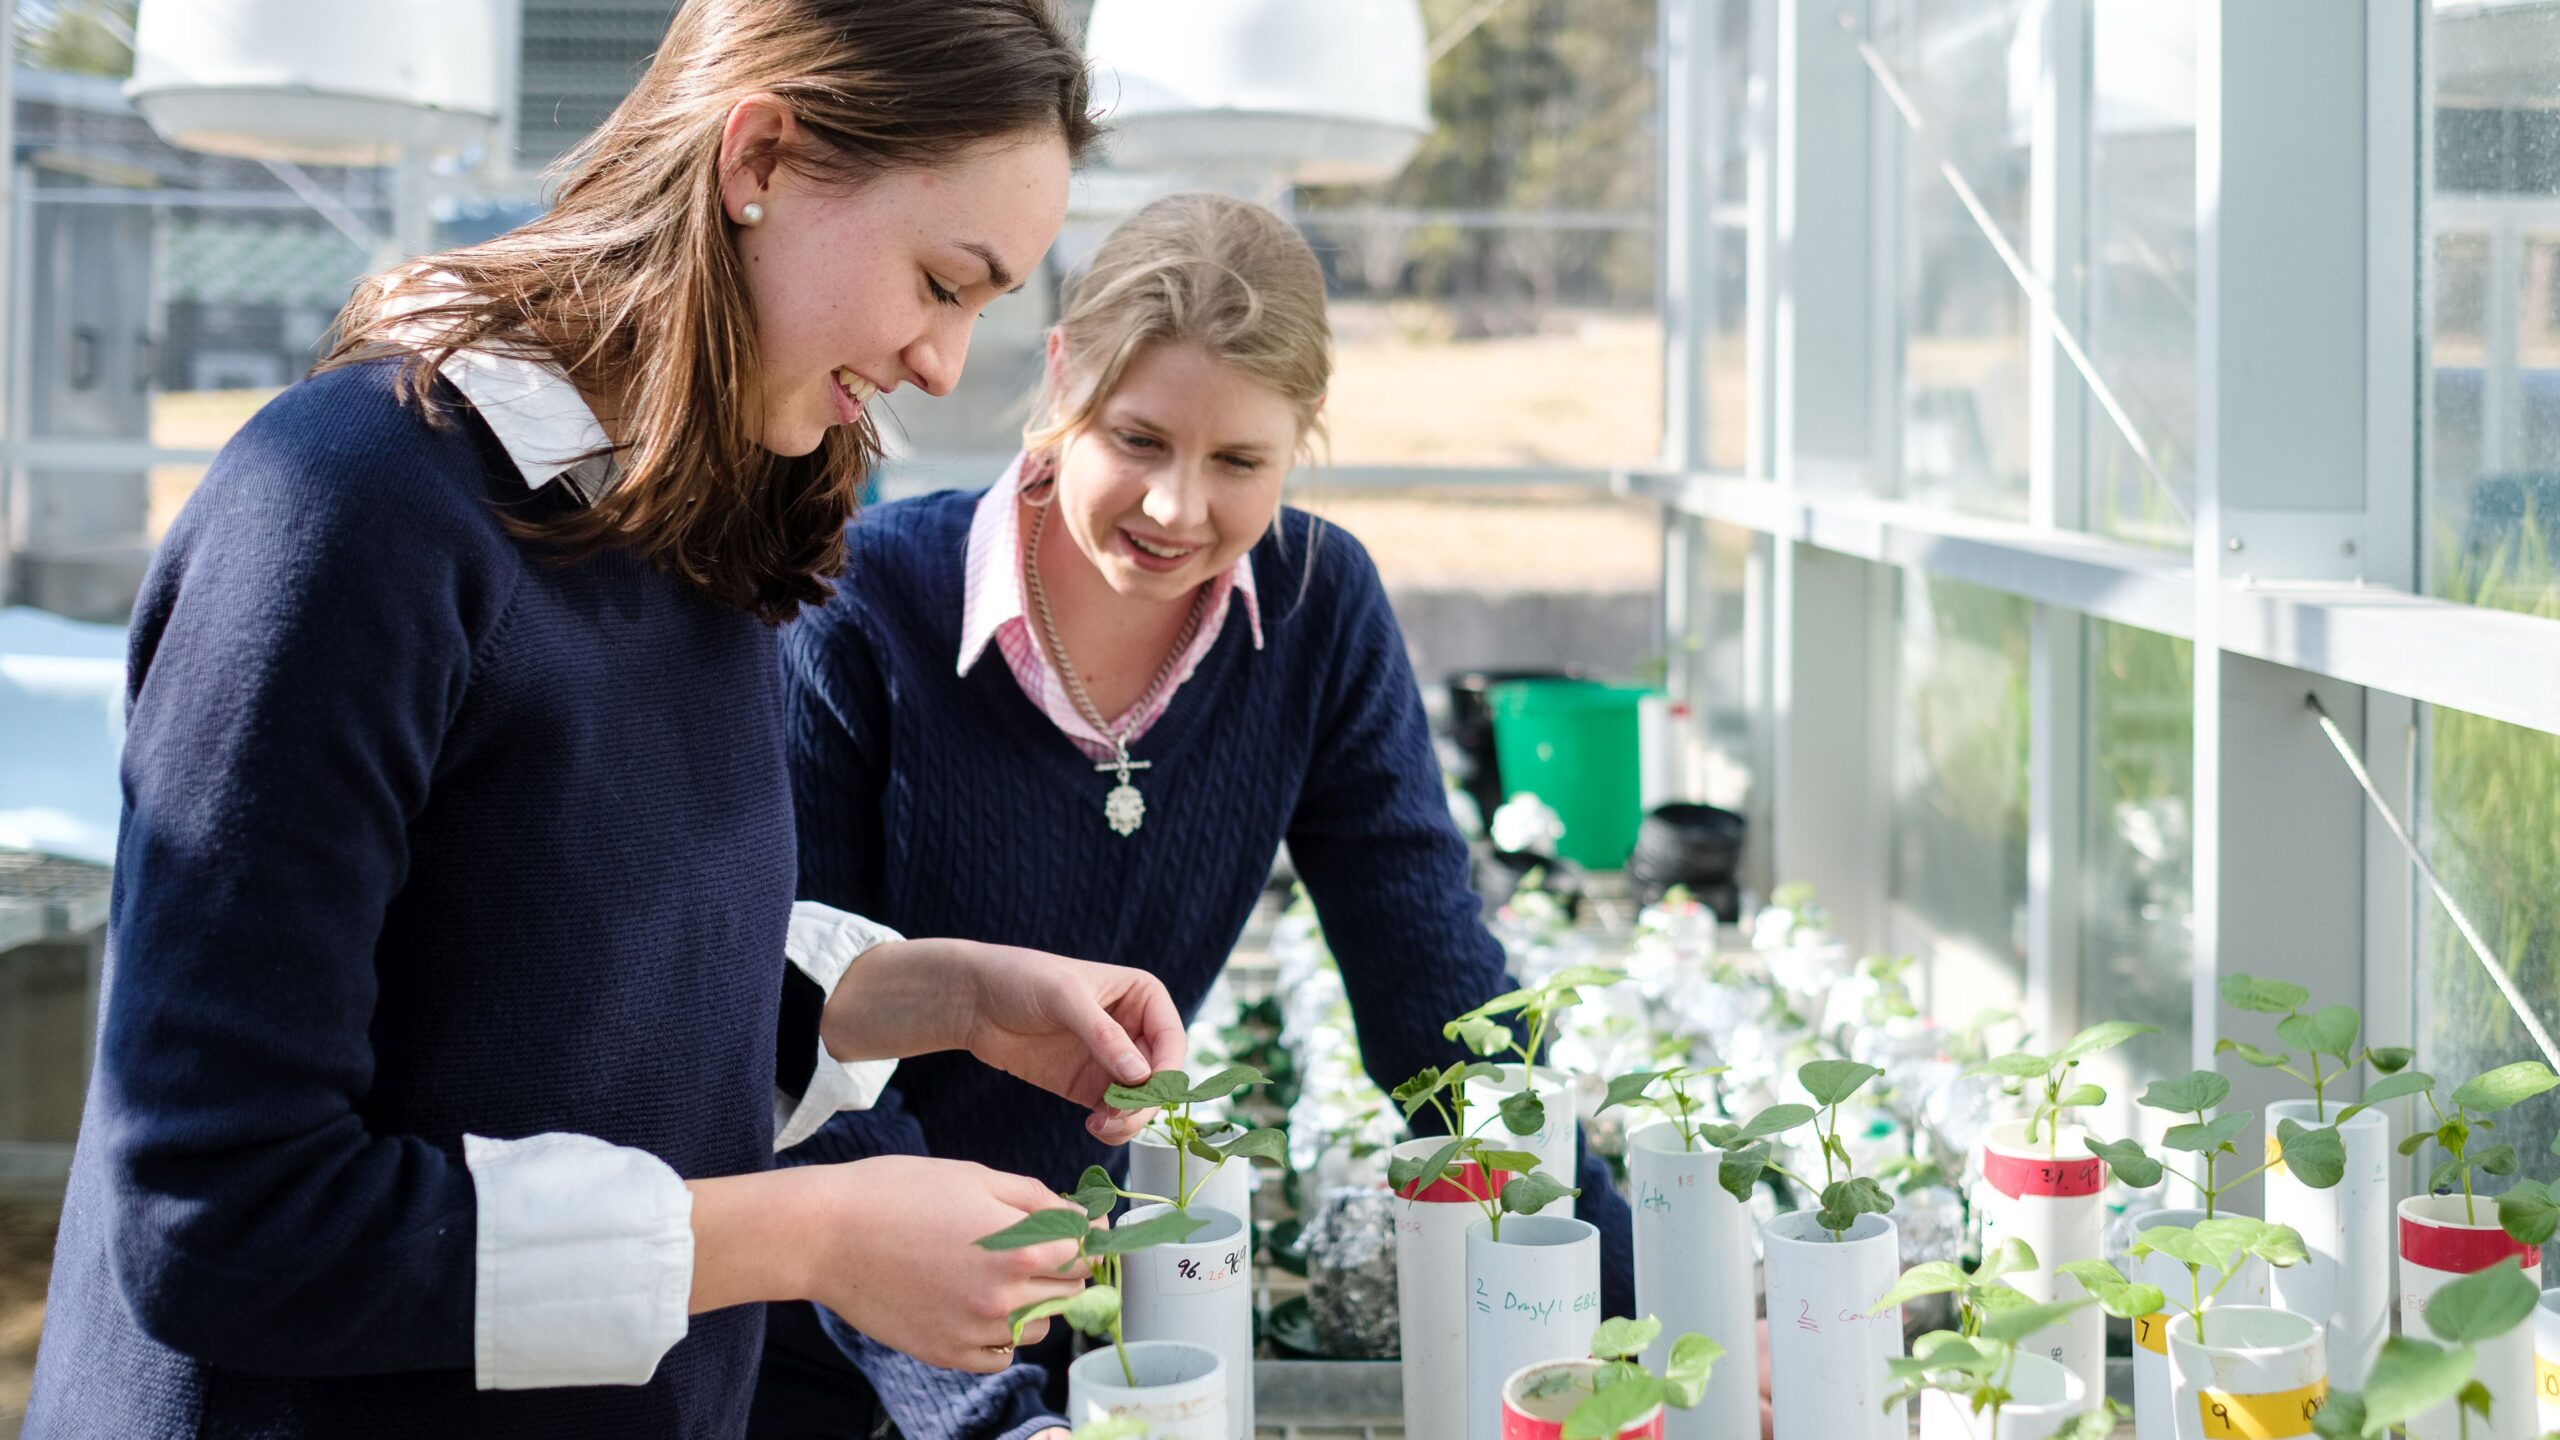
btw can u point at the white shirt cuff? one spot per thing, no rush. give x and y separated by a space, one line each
824 942
584 1261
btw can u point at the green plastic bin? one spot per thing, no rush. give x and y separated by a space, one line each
1572 743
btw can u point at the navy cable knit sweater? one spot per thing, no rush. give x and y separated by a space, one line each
424 833
949 805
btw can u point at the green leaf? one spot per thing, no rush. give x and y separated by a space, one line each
1266 1143
1685 1372
2474 1397
2483 1305
2178 1242
2447 1174
2330 1032
1200 1149
2266 997
1170 1228
1527 1194
2131 1163
1629 1089
1118 1427
1093 1310
2529 1213
1582 977
2115 1294
2279 1245
1523 1113
2017 1323
1409 1174
1485 1037
1831 1081
1502 1004
2013 1257
1739 1171
2317 1158
1415 1093
1095 1192
2389 1087
2099 1038
2390 1059
1619 1338
2342 1418
2263 1059
2014 1067
2196 1090
1516 1162
2488 1094
1844 1201
2079 1095
1933 1277
1165 1087
1613 1407
2411 1377
2496 1160
1227 1082
1776 1120
2210 1137
1039 1228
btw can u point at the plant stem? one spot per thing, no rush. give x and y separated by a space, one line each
1174 1125
2319 1091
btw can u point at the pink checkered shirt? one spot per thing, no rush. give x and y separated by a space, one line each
992 609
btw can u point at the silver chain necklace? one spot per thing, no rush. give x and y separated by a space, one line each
1124 809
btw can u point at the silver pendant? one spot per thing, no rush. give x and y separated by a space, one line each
1124 807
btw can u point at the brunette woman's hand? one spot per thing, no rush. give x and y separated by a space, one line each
890 1244
1071 1027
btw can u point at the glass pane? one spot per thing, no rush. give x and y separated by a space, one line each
1494 303
2141 280
1964 321
2491 825
2138 852
1960 789
2491 475
1728 346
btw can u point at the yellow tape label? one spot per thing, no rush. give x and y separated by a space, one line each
2261 1417
2151 1332
2275 1155
2546 1379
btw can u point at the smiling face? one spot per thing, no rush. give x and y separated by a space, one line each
858 292
1178 472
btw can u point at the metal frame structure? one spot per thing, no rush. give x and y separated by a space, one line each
2301 580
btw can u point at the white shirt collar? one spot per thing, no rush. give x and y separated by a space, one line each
539 417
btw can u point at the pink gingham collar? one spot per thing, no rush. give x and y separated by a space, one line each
992 611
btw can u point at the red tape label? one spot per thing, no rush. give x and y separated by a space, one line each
2018 1176
2461 1250
1467 1188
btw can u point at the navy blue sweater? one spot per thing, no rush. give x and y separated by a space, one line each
950 805
425 833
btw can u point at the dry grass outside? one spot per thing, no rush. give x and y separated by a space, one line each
26 1259
1498 541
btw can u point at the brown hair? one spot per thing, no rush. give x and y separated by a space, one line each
632 285
1200 269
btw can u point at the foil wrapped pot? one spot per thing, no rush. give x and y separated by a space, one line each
1351 1272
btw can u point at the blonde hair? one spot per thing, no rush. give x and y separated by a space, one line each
1197 269
631 283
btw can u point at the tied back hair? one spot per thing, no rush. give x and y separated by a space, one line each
631 283
1200 269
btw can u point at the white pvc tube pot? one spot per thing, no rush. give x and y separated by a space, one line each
2546 1359
1431 1292
2258 1372
1532 1296
2044 1397
2153 1417
1695 1273
1557 1141
2440 1243
2047 1195
1526 1417
2345 1284
1827 1378
1198 1291
1181 1392
1229 1186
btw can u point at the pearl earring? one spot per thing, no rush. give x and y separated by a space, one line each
753 214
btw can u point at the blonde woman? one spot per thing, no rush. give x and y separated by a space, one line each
448 1028
1080 711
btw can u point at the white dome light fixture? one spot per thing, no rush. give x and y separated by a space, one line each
1262 92
319 82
